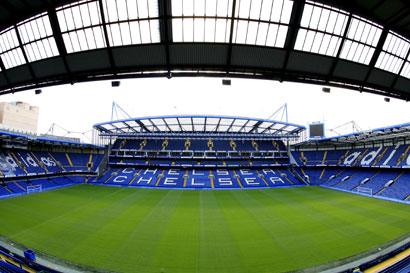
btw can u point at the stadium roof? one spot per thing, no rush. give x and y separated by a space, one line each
358 44
397 132
25 139
202 126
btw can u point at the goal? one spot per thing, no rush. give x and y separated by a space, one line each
365 190
36 188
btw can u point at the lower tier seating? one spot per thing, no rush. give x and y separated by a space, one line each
386 183
195 178
18 187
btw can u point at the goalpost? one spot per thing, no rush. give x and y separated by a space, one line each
365 190
36 188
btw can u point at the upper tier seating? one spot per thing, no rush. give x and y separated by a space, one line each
397 156
23 163
197 145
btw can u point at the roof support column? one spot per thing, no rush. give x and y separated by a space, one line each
107 41
4 70
58 37
229 55
165 28
376 53
401 69
294 25
30 68
339 51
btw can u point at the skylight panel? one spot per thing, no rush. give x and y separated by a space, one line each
171 121
184 121
127 21
389 62
277 11
158 122
322 28
223 128
85 39
79 16
406 70
240 122
198 120
8 40
35 29
262 22
394 53
81 27
37 38
174 127
212 121
201 20
10 52
361 41
124 10
42 49
13 58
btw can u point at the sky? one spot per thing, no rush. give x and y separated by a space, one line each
76 108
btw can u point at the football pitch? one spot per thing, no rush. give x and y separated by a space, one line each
152 230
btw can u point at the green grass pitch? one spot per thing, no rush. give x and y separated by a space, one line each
152 230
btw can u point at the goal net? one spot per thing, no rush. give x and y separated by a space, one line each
365 190
36 188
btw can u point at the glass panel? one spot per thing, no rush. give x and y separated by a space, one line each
322 28
13 58
395 50
10 52
123 10
77 16
41 49
87 39
81 28
8 40
35 29
389 62
406 70
361 41
36 35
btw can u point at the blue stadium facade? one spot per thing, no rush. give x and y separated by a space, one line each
198 152
210 152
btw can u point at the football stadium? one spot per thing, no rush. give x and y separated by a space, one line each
206 193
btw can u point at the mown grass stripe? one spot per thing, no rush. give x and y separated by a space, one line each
181 231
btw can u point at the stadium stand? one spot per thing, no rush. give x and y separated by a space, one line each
13 263
381 170
47 163
19 187
403 266
198 162
22 163
393 184
396 156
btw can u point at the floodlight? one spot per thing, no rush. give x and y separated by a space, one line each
115 83
226 82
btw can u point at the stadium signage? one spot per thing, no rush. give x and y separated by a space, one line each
221 177
368 158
